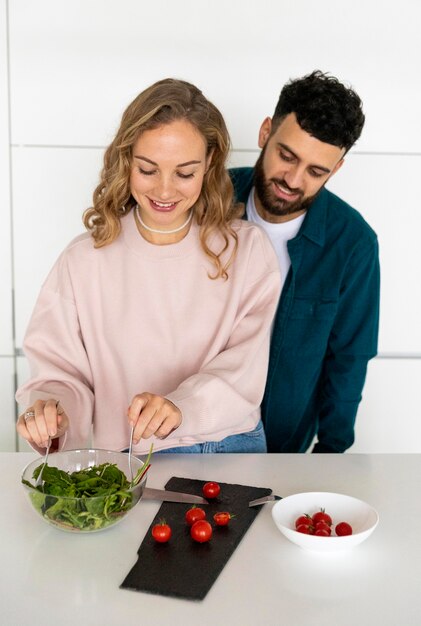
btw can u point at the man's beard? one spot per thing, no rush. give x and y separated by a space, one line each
270 202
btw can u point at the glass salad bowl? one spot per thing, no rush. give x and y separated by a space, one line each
85 490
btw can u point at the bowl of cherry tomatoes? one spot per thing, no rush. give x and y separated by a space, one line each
323 521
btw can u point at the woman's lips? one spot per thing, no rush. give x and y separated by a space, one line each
163 207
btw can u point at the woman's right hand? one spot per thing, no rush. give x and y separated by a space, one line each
42 420
151 414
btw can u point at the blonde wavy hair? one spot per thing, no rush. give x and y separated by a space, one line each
162 103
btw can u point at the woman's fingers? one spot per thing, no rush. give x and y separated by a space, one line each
153 415
50 417
43 420
27 427
62 423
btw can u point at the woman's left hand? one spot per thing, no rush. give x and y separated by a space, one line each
153 415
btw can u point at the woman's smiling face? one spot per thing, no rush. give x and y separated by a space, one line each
169 164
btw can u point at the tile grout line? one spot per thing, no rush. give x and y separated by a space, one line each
234 150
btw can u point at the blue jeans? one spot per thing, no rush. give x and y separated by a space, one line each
253 441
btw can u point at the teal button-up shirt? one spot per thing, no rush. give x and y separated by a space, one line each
325 329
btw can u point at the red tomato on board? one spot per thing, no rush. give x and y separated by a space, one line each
161 532
222 518
194 515
201 531
211 490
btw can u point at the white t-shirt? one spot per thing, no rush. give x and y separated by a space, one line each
279 234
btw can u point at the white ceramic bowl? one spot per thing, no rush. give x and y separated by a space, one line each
362 517
96 512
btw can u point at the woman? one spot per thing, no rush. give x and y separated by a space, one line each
166 303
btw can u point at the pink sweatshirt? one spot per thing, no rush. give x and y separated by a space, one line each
132 317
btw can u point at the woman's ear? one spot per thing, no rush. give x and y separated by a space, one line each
208 160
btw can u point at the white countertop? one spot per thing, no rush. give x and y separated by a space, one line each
51 577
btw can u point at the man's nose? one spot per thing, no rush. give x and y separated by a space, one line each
294 177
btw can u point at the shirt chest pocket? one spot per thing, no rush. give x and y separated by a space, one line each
311 308
304 330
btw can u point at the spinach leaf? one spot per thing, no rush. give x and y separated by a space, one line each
88 499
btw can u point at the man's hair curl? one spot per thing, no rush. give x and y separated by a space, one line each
324 107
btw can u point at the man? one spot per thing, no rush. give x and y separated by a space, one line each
326 325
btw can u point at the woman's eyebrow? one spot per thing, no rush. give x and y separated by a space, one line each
143 158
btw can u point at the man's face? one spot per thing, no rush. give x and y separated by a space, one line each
292 168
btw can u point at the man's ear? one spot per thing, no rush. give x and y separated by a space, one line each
264 132
337 167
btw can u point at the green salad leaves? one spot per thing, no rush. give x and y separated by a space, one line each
88 499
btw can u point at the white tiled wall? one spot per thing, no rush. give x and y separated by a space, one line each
74 66
22 374
382 187
6 332
7 405
81 62
389 416
51 188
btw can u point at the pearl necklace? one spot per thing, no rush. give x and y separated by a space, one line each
163 232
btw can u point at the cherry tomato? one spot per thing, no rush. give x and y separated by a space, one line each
201 531
321 532
303 519
194 515
321 516
305 529
161 532
343 528
211 490
323 526
222 518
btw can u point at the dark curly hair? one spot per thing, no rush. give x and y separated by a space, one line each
324 108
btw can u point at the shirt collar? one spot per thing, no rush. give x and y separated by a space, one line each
314 225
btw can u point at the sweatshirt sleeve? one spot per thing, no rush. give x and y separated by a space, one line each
58 361
230 386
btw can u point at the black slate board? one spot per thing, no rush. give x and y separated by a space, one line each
182 567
